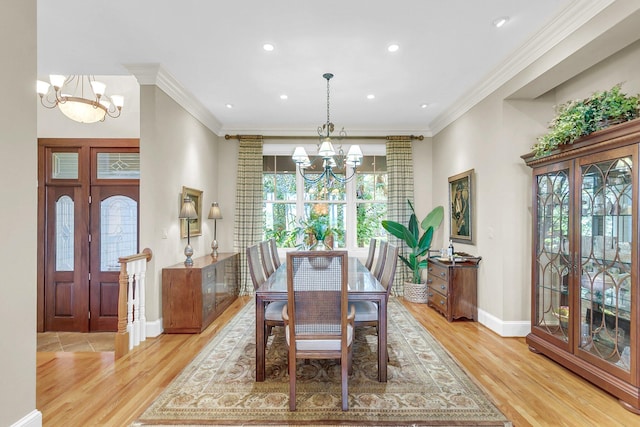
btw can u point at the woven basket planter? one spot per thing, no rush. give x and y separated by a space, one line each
416 292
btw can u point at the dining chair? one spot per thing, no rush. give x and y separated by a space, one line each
318 322
382 255
273 310
267 261
371 256
367 311
274 253
256 271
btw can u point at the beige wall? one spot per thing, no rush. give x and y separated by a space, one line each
18 192
490 138
226 180
176 150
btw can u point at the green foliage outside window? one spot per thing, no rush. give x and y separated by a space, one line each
280 203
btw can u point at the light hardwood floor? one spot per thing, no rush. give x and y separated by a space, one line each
89 389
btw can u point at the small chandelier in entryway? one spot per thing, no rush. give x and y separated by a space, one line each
330 157
81 98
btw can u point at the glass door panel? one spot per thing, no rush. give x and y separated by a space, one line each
605 284
553 254
118 231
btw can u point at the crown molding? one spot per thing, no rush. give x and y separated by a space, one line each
155 74
574 16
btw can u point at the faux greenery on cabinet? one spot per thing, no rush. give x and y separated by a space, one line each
581 117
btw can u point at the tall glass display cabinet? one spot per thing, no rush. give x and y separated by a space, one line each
585 309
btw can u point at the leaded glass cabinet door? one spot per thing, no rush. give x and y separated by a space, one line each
608 266
552 256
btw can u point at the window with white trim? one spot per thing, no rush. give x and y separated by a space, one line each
353 211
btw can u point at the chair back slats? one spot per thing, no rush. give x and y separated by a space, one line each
267 261
274 253
371 256
382 255
255 267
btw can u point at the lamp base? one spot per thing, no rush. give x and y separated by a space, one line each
188 252
214 249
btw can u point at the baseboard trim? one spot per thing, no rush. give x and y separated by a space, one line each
520 328
33 419
154 328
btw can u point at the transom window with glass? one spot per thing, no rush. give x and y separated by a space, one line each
302 214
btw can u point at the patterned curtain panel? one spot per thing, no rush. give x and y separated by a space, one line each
248 216
400 187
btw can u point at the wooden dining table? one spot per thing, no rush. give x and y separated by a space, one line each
363 286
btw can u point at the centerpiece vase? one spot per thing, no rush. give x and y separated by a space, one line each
319 246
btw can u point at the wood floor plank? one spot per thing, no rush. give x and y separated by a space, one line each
82 389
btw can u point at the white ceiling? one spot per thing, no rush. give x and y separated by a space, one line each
213 49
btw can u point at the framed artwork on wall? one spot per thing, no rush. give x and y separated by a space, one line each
460 207
195 226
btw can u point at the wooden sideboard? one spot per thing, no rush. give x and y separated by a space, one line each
452 288
192 297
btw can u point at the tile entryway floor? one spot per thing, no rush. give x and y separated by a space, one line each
76 341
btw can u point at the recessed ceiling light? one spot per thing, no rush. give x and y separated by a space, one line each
424 106
500 21
284 96
229 106
393 47
268 47
371 96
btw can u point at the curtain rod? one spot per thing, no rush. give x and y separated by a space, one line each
388 138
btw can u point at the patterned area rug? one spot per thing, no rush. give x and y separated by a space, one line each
425 385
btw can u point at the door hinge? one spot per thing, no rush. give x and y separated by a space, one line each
89 238
89 315
89 276
89 199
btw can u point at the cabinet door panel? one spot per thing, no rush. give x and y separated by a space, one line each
553 254
607 229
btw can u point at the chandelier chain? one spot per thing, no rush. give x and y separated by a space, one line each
328 119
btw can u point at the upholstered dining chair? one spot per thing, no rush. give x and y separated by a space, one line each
273 310
318 324
267 260
274 253
367 311
372 253
256 271
382 255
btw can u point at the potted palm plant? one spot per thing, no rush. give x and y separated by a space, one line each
419 244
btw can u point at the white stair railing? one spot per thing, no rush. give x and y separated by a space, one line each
131 302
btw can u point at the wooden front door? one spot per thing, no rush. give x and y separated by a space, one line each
88 193
114 230
67 255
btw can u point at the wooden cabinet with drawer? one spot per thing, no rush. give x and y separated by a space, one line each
192 297
452 288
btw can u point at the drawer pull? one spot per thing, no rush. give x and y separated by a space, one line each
441 302
443 287
443 274
429 281
430 294
430 269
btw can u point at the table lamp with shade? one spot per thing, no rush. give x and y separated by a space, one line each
188 213
215 214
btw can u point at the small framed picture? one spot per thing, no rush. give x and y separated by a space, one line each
460 207
195 226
